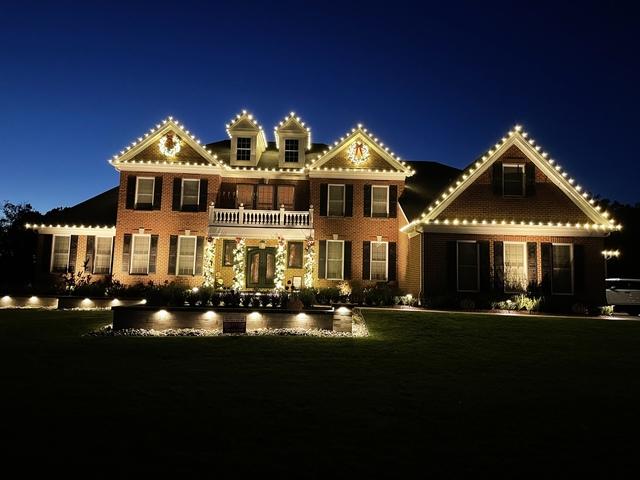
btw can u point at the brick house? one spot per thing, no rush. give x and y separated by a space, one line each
250 213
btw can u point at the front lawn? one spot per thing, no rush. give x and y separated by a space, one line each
447 393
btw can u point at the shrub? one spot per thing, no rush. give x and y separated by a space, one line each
606 310
307 296
468 304
328 295
379 295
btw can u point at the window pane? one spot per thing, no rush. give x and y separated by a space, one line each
291 149
243 149
336 200
295 255
561 280
513 180
265 197
102 260
378 260
190 192
60 260
285 196
145 191
515 272
334 260
228 247
467 266
140 256
245 195
379 201
186 255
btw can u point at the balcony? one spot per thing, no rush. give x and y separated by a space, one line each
248 223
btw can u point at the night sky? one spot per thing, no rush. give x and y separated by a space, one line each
436 83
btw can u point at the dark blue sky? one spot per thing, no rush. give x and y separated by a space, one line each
442 83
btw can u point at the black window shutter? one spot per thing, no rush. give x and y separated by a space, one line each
532 263
157 194
73 253
324 192
131 192
199 255
177 194
498 266
367 200
126 252
578 268
347 260
393 201
392 261
322 259
452 266
91 245
153 254
497 178
366 258
46 245
173 254
546 260
204 195
348 200
485 266
530 179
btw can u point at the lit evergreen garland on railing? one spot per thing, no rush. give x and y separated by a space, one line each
209 263
281 259
238 265
308 263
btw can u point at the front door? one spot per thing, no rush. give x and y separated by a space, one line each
261 267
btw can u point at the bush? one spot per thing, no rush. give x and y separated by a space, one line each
379 295
607 310
328 295
307 296
468 304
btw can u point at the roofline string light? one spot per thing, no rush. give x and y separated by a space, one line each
292 115
506 223
248 116
485 157
35 226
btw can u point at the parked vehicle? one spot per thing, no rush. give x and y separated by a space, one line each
624 293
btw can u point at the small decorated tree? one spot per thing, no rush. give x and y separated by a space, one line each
239 265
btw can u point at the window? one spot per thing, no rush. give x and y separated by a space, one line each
335 259
335 200
102 255
227 252
190 193
244 195
515 267
513 180
379 253
294 257
291 150
140 255
468 274
60 253
144 190
186 261
562 276
286 196
379 200
243 148
264 199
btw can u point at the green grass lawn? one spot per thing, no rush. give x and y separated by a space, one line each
447 393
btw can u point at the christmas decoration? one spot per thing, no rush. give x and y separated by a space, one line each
208 267
308 263
358 152
281 259
170 145
238 265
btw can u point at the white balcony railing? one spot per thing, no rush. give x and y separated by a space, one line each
260 218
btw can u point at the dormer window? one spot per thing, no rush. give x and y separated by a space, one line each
291 150
513 181
243 151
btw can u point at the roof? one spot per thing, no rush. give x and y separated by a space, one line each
96 211
423 187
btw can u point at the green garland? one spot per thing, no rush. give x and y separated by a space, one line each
309 257
238 265
209 263
281 259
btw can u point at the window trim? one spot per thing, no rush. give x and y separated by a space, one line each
386 261
177 273
197 204
458 242
278 187
524 266
326 260
95 254
524 180
153 190
570 245
256 194
386 187
344 198
53 247
133 249
244 149
224 243
297 150
301 253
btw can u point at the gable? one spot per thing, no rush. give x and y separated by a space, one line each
375 162
186 153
